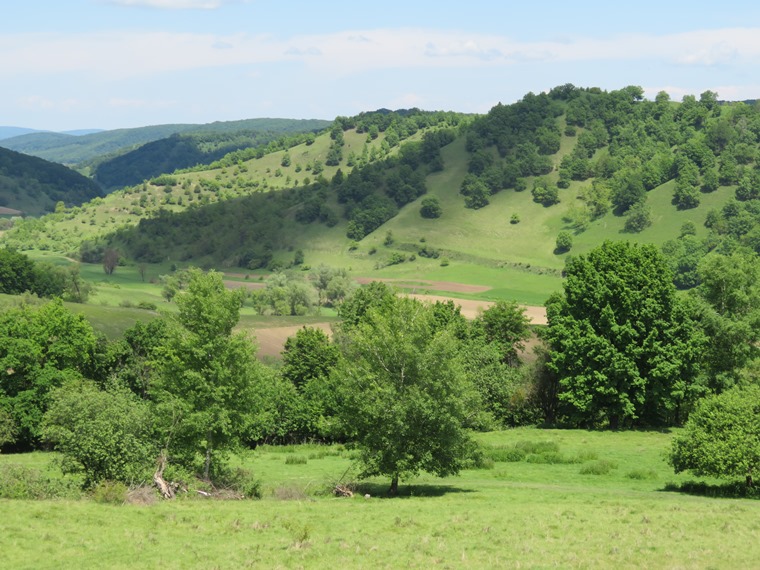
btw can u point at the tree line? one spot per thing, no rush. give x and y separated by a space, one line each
406 382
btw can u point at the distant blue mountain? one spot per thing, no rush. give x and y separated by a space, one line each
82 132
10 132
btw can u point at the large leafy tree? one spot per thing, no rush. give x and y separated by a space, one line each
722 436
40 348
404 395
730 289
625 350
205 385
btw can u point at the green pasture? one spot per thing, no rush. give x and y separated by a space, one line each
560 511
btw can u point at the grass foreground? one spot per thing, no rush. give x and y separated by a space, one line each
568 499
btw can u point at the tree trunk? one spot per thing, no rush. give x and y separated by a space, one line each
158 477
393 491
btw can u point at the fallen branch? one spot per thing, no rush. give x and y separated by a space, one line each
166 490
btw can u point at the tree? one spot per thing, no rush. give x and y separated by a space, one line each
205 382
722 437
110 260
730 288
308 355
403 392
105 434
431 208
564 242
40 348
638 218
625 349
505 325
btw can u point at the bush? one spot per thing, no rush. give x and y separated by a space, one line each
110 493
106 435
242 481
538 447
21 482
600 467
642 474
295 460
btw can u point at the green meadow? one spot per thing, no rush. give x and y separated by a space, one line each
566 499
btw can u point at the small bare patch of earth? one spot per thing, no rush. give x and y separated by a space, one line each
244 284
470 307
9 211
271 341
428 284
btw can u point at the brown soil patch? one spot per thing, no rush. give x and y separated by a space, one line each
9 211
470 308
428 284
271 341
244 284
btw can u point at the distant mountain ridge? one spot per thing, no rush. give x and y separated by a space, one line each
70 149
7 132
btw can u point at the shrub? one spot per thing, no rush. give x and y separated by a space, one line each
242 481
110 492
538 447
295 460
106 435
599 467
641 474
21 482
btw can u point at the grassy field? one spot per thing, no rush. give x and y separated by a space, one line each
603 502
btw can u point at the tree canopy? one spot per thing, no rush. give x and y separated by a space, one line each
625 349
403 392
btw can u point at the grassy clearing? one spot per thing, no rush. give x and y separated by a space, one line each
513 514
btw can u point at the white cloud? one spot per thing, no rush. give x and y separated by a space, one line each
132 54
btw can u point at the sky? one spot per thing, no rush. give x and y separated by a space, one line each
106 64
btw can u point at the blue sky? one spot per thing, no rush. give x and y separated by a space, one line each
72 64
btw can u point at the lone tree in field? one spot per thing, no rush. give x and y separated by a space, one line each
403 392
205 386
722 437
110 261
624 348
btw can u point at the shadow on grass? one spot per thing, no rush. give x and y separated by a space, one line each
729 490
380 490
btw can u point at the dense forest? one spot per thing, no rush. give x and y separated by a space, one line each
35 186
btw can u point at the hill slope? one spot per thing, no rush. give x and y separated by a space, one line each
34 185
592 164
183 151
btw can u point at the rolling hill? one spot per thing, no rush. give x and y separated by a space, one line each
34 186
595 165
70 149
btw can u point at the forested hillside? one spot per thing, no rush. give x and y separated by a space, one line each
185 150
35 186
513 190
